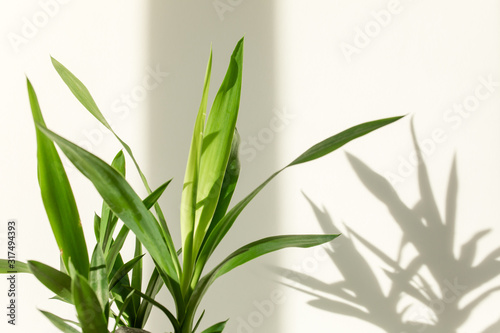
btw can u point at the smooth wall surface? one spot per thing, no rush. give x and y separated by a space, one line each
412 257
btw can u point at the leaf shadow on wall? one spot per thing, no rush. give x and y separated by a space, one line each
443 288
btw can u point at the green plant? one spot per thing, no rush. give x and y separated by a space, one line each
94 285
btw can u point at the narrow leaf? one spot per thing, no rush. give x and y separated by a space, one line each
88 307
83 95
11 267
317 151
98 276
166 311
217 140
57 196
217 328
250 252
190 188
60 323
123 271
121 198
55 280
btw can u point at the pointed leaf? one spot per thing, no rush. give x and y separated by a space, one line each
55 280
60 323
217 328
190 188
83 95
166 311
317 151
98 276
123 271
88 308
58 197
10 267
216 149
121 198
250 252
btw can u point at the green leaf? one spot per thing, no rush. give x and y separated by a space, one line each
198 321
123 309
108 220
154 286
88 308
217 328
55 280
58 197
247 253
166 311
121 198
19 267
60 323
97 227
98 276
216 148
117 246
315 152
136 282
122 271
327 146
190 188
153 197
229 184
83 95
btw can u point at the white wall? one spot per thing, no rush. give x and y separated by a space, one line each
427 58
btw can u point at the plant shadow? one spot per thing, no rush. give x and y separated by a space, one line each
435 291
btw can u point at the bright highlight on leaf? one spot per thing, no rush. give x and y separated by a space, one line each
107 290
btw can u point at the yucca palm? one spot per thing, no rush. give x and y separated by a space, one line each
95 286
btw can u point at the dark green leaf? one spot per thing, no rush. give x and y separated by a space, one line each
122 271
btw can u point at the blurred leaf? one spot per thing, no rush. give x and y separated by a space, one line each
20 267
53 279
217 328
98 276
60 323
88 307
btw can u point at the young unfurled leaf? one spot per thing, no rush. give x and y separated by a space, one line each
216 148
191 179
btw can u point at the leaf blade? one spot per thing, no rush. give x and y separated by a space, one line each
58 197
